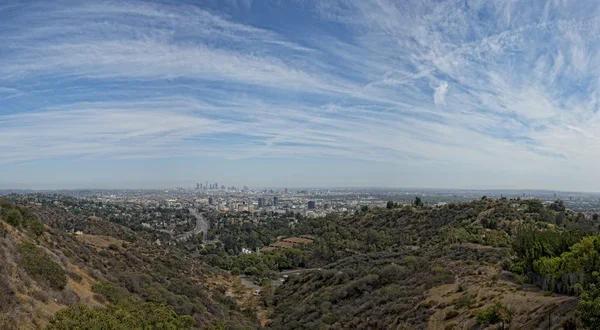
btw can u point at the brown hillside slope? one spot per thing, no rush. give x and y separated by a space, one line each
112 258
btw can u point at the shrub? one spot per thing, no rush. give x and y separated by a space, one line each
74 276
13 217
495 314
38 265
120 317
451 314
465 301
36 227
451 326
111 292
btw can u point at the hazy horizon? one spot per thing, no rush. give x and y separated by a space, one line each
447 94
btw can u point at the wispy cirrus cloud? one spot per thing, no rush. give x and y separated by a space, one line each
505 87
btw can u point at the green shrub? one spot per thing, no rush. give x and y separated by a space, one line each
13 217
465 301
38 265
495 314
121 316
112 292
36 227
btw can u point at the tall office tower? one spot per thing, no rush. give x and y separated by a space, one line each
275 201
286 190
206 185
210 200
216 185
311 205
197 186
261 202
201 186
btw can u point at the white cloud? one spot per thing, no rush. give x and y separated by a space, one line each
167 80
439 94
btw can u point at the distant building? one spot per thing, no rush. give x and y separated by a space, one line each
275 201
261 202
311 205
286 190
197 186
201 186
216 185
210 200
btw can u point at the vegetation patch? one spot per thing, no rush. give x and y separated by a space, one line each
40 266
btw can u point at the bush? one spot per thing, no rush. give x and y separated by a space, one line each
451 314
111 292
495 314
74 276
36 227
465 301
13 217
120 317
38 265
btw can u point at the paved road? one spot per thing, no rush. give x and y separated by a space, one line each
202 226
248 281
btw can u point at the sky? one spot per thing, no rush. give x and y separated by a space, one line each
300 93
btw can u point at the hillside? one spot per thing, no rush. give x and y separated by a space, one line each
490 263
424 267
49 277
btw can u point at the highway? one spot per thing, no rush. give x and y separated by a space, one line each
202 226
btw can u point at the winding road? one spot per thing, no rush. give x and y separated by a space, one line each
202 226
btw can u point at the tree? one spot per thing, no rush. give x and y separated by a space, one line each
558 206
13 217
560 218
534 205
589 304
390 205
418 202
496 314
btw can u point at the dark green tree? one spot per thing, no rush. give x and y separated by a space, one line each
558 206
13 217
390 205
418 201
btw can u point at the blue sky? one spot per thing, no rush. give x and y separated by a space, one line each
449 94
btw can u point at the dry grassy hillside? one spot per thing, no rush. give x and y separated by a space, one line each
44 273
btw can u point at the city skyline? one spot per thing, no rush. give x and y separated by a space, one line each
311 93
